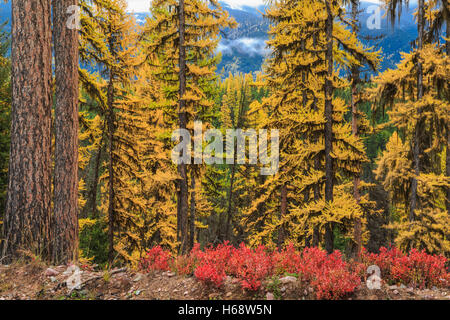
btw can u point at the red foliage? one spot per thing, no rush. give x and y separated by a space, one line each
330 276
157 259
417 268
250 266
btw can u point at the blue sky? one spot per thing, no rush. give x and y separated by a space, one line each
143 5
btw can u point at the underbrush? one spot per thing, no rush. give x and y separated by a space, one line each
329 275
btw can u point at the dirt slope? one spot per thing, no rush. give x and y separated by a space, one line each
37 282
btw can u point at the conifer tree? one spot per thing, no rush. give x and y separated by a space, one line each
303 79
181 37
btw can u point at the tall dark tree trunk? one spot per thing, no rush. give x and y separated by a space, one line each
91 205
447 160
414 201
65 217
230 200
283 212
354 101
329 174
192 217
182 203
111 177
27 215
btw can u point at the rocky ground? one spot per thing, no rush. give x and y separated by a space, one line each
38 282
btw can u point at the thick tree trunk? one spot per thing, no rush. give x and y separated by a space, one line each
354 101
27 216
414 201
329 174
65 217
182 205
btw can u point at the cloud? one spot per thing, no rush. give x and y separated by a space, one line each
246 46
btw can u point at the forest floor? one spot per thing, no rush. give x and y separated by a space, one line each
35 281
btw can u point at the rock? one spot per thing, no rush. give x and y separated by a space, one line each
305 292
71 270
434 288
138 292
228 294
402 286
186 293
52 279
444 293
74 281
51 272
170 274
283 289
138 277
310 289
410 290
392 287
288 279
395 291
270 296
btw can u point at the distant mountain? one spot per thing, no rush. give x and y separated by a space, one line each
244 48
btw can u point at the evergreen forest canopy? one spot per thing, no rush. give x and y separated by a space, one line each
86 132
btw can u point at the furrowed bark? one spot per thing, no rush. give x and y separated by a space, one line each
65 217
28 204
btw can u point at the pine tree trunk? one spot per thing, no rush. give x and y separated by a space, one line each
27 216
182 205
329 175
65 217
416 139
355 81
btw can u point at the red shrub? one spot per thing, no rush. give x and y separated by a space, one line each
209 274
250 266
157 259
212 263
417 269
286 260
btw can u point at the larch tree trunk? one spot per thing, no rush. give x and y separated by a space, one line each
447 160
414 200
111 177
283 212
329 174
28 204
354 102
65 217
192 216
182 201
